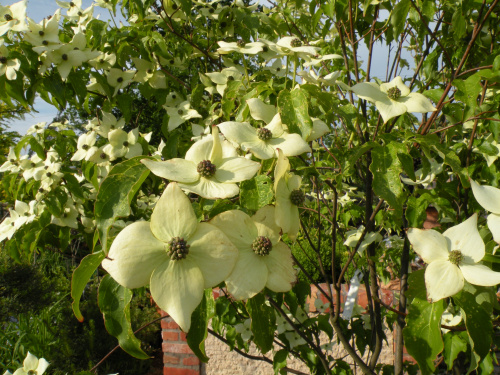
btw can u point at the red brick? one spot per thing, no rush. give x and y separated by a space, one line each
180 371
362 298
166 324
176 348
171 359
170 336
183 336
387 296
191 361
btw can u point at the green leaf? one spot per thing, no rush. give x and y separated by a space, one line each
422 334
458 23
114 303
386 168
453 345
477 322
256 193
399 16
116 193
80 278
73 185
55 201
292 106
279 360
496 64
125 103
407 164
186 5
199 325
468 90
353 155
263 322
37 147
416 211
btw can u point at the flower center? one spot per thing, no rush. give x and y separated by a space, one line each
223 24
64 57
125 144
3 60
180 112
297 197
262 246
240 43
264 134
265 49
45 42
394 93
206 169
296 42
85 147
41 33
174 6
8 17
103 156
456 257
177 248
119 80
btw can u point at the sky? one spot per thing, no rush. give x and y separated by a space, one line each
39 9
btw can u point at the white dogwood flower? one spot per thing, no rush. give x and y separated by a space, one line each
353 237
9 67
452 257
240 47
263 260
263 142
489 198
211 168
175 254
85 146
180 114
13 17
123 144
119 79
32 365
393 98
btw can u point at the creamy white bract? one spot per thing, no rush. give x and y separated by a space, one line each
140 256
452 257
211 168
252 272
392 98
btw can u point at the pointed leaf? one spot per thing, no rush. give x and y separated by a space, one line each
293 110
81 277
422 333
116 193
114 303
263 322
199 325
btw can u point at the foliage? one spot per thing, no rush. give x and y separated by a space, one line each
288 149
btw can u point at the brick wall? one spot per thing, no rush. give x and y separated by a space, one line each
178 359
